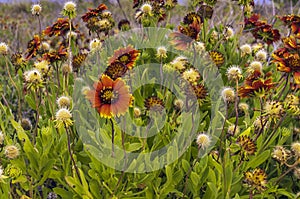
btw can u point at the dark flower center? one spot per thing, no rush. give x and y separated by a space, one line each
109 96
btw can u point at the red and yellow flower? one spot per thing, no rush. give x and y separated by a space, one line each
60 27
287 59
126 56
261 30
33 46
110 97
254 87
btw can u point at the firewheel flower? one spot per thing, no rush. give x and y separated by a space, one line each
126 56
110 97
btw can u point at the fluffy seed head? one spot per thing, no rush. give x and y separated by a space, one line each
45 46
36 9
280 154
178 103
255 66
199 47
63 114
85 89
146 8
1 138
246 49
203 140
33 76
296 148
3 48
137 112
261 55
228 94
229 33
63 102
179 63
26 124
230 130
234 73
161 52
243 106
70 6
67 68
11 151
95 44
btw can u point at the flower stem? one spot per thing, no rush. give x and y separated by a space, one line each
236 107
17 89
71 154
112 138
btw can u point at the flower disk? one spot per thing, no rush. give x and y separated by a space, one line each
110 97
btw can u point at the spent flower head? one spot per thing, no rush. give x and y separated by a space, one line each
11 151
161 52
280 154
203 140
199 47
246 49
95 44
26 124
63 102
234 73
229 33
69 9
228 94
36 9
146 8
243 106
1 138
3 48
261 55
63 118
296 148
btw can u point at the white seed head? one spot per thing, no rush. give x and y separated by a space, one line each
246 49
63 102
70 6
261 55
228 94
36 9
11 151
33 76
234 73
146 8
161 52
63 115
203 140
3 48
296 148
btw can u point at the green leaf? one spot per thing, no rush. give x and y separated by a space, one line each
30 101
195 178
258 160
185 165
